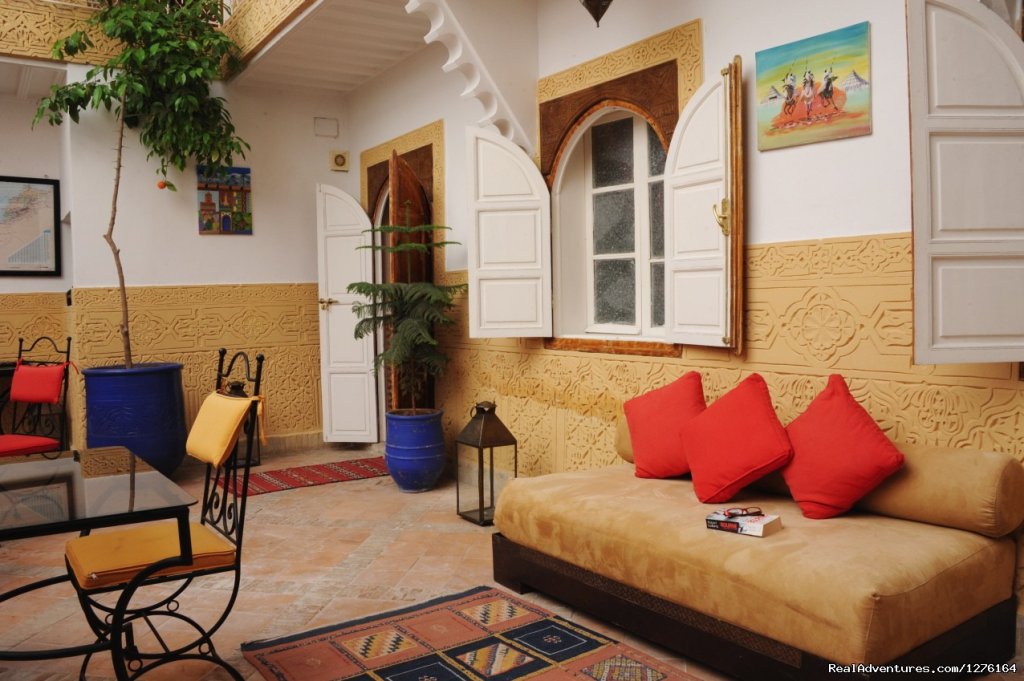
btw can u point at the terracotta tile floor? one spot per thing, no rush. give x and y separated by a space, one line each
312 557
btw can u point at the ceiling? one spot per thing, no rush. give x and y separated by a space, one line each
25 80
337 46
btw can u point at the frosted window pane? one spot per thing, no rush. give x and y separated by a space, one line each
612 145
613 222
657 201
614 292
658 294
655 153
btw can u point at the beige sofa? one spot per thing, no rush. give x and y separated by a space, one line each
921 572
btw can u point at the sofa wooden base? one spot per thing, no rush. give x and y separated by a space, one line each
990 637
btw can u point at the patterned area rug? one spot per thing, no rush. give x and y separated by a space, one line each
263 482
483 634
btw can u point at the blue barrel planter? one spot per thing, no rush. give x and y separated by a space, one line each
142 408
414 449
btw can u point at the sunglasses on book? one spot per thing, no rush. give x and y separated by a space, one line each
740 512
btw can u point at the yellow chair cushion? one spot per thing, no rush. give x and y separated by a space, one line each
216 428
110 558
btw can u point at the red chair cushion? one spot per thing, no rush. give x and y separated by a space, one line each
735 441
37 383
840 453
654 421
13 445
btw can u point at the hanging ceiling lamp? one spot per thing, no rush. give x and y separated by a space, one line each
597 8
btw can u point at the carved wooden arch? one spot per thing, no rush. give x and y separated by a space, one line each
651 93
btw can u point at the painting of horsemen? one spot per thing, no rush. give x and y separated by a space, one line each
815 90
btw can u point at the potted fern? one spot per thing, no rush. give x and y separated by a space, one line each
158 83
409 312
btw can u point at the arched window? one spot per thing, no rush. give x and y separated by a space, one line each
608 228
596 274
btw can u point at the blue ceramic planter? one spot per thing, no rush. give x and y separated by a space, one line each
141 408
414 449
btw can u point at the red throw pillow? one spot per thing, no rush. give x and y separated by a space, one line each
735 441
37 383
840 453
655 419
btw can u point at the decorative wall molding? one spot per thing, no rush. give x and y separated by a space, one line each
683 44
29 28
462 57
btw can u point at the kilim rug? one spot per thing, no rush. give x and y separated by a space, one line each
261 482
483 634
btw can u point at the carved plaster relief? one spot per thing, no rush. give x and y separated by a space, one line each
683 44
813 308
29 28
28 316
187 324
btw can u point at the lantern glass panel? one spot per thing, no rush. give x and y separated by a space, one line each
482 473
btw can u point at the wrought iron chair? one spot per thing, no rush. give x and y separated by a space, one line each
37 420
124 560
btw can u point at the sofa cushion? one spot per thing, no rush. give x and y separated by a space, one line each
736 440
839 453
968 489
858 589
623 446
655 419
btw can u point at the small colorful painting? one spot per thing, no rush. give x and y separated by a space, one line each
831 99
225 202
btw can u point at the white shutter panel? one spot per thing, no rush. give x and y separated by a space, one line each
699 291
509 241
967 148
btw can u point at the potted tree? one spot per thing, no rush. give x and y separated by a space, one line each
408 313
158 83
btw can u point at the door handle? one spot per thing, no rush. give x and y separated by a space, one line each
723 218
326 303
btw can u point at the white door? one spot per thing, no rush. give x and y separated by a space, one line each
347 379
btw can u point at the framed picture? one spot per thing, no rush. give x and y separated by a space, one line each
815 90
29 226
225 202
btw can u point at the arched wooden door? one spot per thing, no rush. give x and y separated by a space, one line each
407 203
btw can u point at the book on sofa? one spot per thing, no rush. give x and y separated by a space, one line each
754 524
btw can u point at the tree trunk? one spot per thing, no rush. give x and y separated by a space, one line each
109 238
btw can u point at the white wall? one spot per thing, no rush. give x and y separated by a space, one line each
410 95
32 152
157 229
504 36
843 188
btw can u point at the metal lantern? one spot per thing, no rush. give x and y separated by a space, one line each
597 8
481 478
